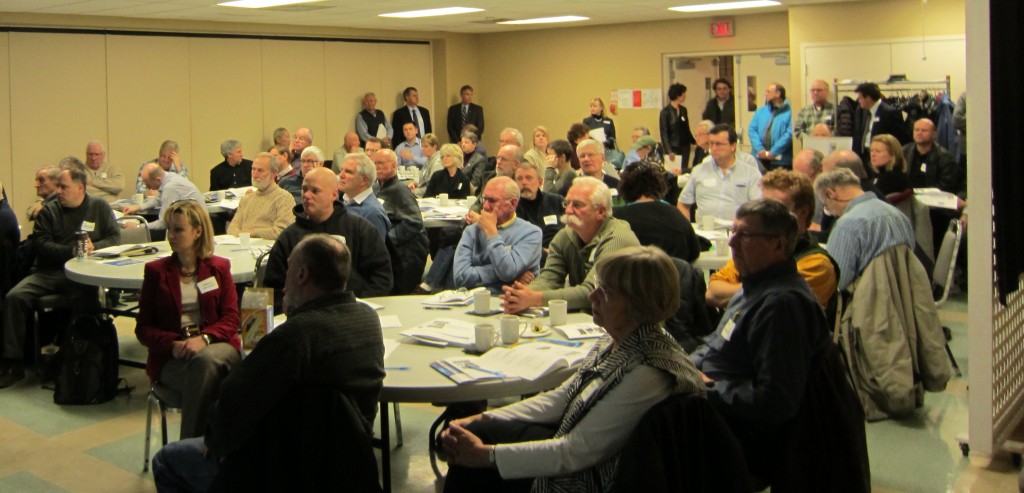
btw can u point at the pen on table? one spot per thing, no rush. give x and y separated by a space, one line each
437 308
396 368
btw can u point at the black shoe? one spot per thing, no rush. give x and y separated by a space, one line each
10 375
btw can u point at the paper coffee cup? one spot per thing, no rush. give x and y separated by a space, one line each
482 301
509 329
243 240
558 312
707 222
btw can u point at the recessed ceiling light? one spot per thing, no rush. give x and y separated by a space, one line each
548 20
707 7
260 4
412 14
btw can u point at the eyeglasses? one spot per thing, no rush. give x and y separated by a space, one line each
743 235
576 204
492 200
718 144
310 161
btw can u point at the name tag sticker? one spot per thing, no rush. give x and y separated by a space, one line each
207 285
103 176
828 118
88 226
877 119
727 330
682 118
550 220
924 167
709 182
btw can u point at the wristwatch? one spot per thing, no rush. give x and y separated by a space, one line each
206 339
490 455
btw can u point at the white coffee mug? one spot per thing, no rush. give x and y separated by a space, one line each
470 201
707 222
558 311
509 329
482 302
243 240
443 198
221 195
486 336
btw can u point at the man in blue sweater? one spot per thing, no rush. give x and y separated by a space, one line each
499 248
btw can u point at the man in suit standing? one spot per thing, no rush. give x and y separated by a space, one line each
875 118
464 113
413 113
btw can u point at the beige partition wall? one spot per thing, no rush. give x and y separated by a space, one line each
133 91
58 102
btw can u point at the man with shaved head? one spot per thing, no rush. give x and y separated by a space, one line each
322 212
930 165
170 188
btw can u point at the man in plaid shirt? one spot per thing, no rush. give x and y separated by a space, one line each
821 110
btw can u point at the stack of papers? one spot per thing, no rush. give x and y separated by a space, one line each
452 298
580 331
125 250
526 361
933 197
444 332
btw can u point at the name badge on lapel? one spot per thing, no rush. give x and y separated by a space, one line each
550 220
88 226
207 285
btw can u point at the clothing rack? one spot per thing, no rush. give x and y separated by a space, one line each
891 88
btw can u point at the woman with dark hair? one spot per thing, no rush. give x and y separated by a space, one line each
598 119
674 123
654 221
558 178
569 439
577 133
188 315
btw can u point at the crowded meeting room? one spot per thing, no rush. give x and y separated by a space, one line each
648 246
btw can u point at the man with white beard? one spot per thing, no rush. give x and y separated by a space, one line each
267 211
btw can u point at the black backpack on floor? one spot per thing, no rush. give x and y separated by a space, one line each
87 362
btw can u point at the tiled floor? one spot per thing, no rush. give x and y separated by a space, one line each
49 448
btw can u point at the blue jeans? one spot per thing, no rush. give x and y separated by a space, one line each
181 467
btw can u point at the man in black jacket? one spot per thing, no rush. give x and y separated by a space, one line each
407 238
413 113
322 212
330 346
464 113
544 210
234 171
875 117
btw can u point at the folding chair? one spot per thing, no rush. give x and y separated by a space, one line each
942 276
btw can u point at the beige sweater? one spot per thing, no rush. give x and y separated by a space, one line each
264 214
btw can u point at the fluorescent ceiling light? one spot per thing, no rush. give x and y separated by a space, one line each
260 4
548 20
708 7
412 14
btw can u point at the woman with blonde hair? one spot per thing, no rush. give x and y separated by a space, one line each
538 154
598 119
449 179
888 168
188 315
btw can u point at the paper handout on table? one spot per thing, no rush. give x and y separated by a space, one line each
526 361
933 197
125 250
583 330
443 332
461 297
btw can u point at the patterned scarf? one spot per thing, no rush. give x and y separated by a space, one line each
648 345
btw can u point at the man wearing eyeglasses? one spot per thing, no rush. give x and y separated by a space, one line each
771 346
303 139
105 181
500 248
590 232
312 157
721 184
169 188
591 154
821 110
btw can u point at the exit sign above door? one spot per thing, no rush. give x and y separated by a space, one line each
722 28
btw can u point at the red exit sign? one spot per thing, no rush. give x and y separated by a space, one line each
722 28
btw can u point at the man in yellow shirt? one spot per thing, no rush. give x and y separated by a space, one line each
817 268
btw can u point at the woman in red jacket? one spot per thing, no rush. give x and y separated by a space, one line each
188 315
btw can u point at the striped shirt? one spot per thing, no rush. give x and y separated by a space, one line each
867 228
810 116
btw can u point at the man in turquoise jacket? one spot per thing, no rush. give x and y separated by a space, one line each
771 130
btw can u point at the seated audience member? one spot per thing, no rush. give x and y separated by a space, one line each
702 149
267 211
234 171
54 243
355 182
771 368
720 184
538 154
474 163
46 190
888 169
170 188
647 150
543 210
851 161
430 151
509 157
590 233
480 147
821 130
450 179
808 162
410 151
169 160
813 263
322 212
373 145
10 232
632 156
577 133
499 248
105 181
407 237
591 155
282 137
569 438
866 226
188 315
282 154
329 343
558 174
929 164
371 122
350 146
303 139
312 157
653 221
